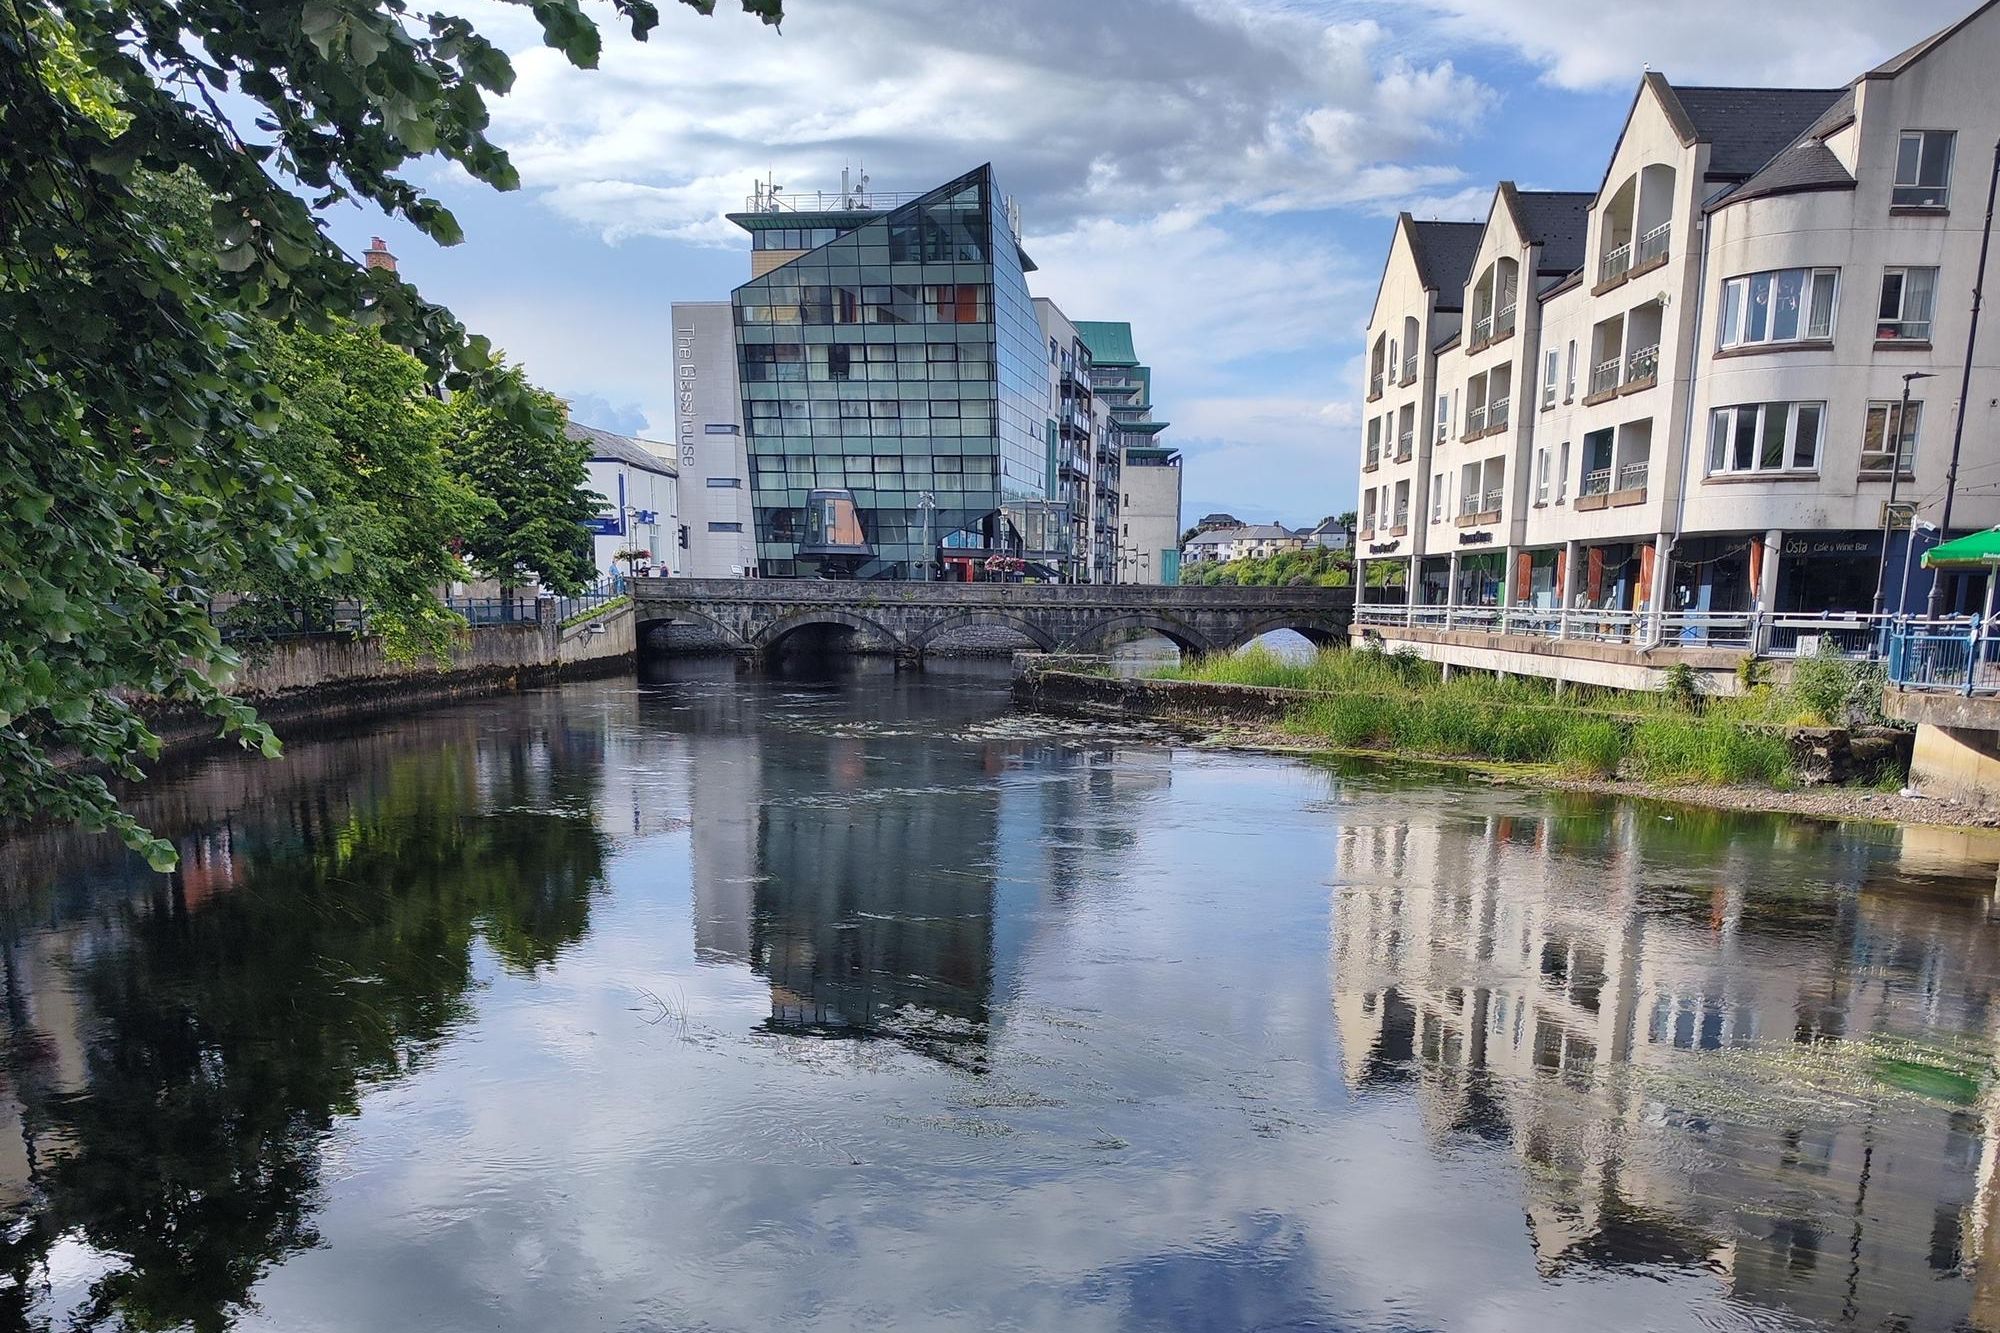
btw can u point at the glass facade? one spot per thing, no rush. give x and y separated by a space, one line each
896 360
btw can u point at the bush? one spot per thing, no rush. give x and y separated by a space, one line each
1591 747
1681 688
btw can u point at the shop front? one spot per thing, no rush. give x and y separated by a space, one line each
1616 576
1823 573
1479 578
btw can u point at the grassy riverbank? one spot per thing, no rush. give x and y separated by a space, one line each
1370 700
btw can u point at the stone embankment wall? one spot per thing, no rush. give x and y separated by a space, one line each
332 677
1820 755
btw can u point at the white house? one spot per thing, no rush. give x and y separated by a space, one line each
640 489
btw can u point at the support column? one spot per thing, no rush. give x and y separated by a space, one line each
1565 587
1450 589
1764 583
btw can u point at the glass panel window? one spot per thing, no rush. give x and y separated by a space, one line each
1549 379
1908 295
1923 169
1765 437
1569 376
1542 471
1782 306
1562 470
1881 425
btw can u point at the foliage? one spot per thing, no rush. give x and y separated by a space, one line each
1681 687
133 450
533 478
1315 565
1836 692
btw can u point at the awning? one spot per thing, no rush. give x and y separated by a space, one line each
1978 550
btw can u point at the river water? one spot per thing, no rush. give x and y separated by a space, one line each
731 1002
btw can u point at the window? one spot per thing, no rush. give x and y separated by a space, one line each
725 527
1368 510
1907 297
1569 376
1881 426
1764 437
1542 475
1443 417
1437 497
1549 379
1562 470
1783 306
1923 169
838 360
719 428
725 483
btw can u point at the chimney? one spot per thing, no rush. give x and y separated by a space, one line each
378 256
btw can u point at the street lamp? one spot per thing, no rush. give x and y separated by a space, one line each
1965 386
1889 510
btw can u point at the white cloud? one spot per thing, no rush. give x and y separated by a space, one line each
1799 43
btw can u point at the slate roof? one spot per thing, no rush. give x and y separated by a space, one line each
610 447
1747 127
1806 165
1444 253
1556 220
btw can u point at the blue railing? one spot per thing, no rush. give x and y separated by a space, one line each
1960 655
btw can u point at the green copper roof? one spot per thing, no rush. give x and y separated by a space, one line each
1110 343
1143 427
1979 550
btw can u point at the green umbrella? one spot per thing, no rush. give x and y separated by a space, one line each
1978 550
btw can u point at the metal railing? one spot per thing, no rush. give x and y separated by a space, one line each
1643 364
1409 367
1937 654
1498 412
1402 516
1960 655
1475 419
1405 446
604 590
1375 385
1468 505
1652 244
1482 329
1615 263
516 610
1494 499
1632 476
1596 481
1503 323
1374 454
1604 376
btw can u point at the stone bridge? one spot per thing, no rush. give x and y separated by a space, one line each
756 615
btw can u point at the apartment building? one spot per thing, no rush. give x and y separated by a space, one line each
1661 414
1077 486
1143 475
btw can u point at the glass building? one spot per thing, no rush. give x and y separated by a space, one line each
896 356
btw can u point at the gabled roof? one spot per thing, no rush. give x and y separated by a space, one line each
1556 220
1444 253
1110 342
1902 60
610 447
1806 165
1745 128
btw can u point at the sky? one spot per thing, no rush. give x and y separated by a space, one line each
1224 174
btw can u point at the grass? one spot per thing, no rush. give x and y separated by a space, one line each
1370 700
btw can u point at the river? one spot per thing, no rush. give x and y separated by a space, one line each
736 1003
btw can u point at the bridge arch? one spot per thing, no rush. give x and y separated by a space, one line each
1184 636
687 615
1020 624
1320 631
771 635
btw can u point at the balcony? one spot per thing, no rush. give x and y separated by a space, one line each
1651 251
1642 369
1409 370
1503 323
1405 447
1617 262
1373 458
1632 477
1597 481
1497 414
1482 332
1475 422
1402 520
1604 378
1479 509
1374 386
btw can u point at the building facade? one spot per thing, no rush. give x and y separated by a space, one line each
640 490
1143 548
1665 415
1073 485
715 524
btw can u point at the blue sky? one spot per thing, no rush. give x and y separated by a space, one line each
1222 173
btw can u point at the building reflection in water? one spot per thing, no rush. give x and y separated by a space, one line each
1695 1067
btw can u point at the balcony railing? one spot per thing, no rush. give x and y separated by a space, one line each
1497 413
1922 655
1374 456
1402 515
1475 420
1503 323
1493 502
1405 446
1469 505
1410 368
1653 244
1616 263
1482 329
1960 655
1604 376
1375 385
1597 481
1632 476
1643 364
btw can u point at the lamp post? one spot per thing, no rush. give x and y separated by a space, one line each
1917 525
1889 510
1965 385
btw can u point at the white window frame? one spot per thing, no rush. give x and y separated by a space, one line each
1569 379
1721 454
1901 276
1549 366
1542 475
1739 299
1562 474
1911 430
1438 488
1910 193
1442 427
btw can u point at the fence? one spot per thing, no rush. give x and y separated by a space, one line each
1960 655
1764 634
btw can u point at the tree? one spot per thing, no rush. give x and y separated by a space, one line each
134 452
533 479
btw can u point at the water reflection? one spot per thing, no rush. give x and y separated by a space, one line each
855 1001
1745 1047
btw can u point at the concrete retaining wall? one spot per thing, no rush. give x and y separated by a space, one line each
334 677
1957 754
